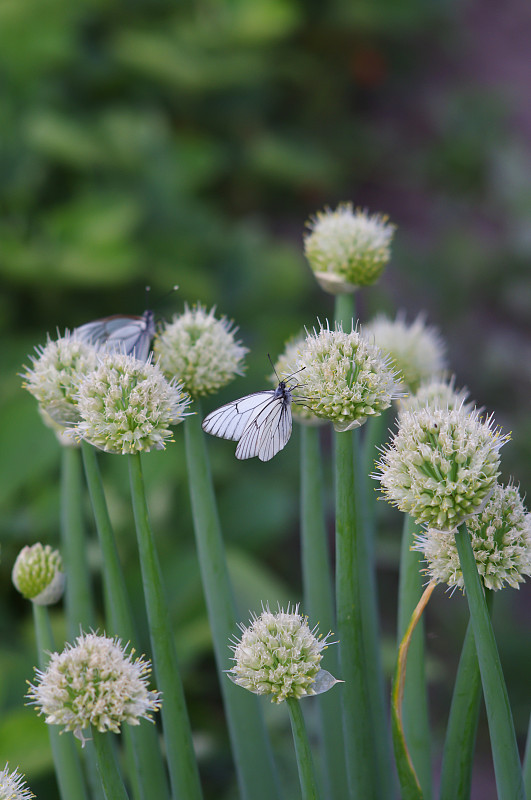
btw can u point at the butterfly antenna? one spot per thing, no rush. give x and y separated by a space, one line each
274 370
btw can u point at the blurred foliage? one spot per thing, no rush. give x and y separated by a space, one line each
187 143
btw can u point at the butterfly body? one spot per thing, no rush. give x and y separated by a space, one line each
120 333
260 422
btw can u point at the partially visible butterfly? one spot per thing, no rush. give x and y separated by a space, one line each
260 422
131 335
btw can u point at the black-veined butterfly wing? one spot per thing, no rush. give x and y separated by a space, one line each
260 423
229 421
131 335
267 432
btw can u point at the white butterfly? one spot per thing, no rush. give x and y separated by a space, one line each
260 422
131 335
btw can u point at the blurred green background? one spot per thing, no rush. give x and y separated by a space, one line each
157 143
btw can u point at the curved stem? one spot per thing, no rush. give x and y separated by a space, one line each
415 706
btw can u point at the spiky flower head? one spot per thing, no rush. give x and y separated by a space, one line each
200 351
12 786
346 377
441 465
279 655
346 248
436 393
417 350
38 574
501 542
287 364
94 682
128 406
55 374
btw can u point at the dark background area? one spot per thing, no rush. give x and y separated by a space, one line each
156 143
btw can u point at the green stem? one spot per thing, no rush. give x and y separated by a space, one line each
145 764
527 762
460 742
501 728
251 748
319 603
345 311
108 770
302 750
366 575
357 718
78 594
182 764
415 705
65 757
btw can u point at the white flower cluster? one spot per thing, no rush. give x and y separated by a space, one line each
279 655
501 541
56 373
12 786
417 350
436 394
128 406
38 574
200 351
347 248
94 682
441 465
346 377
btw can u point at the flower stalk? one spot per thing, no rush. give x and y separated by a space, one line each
303 752
319 602
184 775
146 766
460 741
113 785
78 591
503 739
252 751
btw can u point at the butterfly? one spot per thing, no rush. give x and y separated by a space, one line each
119 333
260 422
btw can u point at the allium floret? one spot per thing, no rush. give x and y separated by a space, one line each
12 785
441 465
94 682
200 350
346 248
128 406
280 656
56 373
346 377
417 350
38 574
436 393
501 542
288 363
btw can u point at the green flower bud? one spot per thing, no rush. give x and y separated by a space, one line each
38 574
347 249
